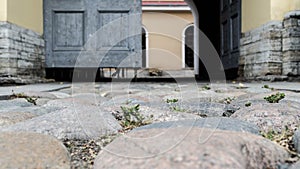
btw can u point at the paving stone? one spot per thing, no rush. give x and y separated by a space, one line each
77 122
296 140
155 114
15 103
209 109
133 99
10 118
78 99
88 98
31 150
42 101
219 123
270 116
35 110
203 109
160 115
60 95
292 99
37 94
190 148
295 166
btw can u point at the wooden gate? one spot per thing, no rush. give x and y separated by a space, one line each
230 33
98 33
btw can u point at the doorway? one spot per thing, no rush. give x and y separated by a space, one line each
188 47
220 21
230 35
145 47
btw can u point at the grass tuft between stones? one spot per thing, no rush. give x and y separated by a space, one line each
275 98
131 118
285 140
29 99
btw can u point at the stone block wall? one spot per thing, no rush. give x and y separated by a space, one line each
272 50
261 51
22 58
291 44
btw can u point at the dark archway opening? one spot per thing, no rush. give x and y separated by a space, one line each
209 24
189 46
144 48
209 20
212 16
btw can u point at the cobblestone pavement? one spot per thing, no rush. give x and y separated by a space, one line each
86 117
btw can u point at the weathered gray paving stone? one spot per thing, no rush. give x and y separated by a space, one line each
190 148
117 86
35 110
115 93
42 101
68 91
243 103
183 95
6 104
270 116
203 109
77 122
178 111
209 109
156 114
296 140
295 166
34 87
292 96
217 95
220 123
37 94
258 98
134 99
32 150
10 118
87 99
161 115
60 95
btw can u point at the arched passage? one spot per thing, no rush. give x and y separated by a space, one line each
193 5
210 18
145 47
165 22
188 47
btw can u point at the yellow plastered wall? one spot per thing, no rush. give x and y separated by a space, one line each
165 38
279 8
258 12
255 13
295 5
26 13
3 10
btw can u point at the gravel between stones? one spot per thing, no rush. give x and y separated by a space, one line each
84 152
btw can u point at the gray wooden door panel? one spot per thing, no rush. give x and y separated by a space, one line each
113 20
64 31
75 30
230 32
68 30
118 4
